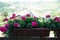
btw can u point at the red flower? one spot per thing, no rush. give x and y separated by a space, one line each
57 19
47 16
3 29
16 24
5 19
6 25
11 17
34 24
28 15
35 17
23 18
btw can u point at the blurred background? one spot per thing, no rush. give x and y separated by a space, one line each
37 7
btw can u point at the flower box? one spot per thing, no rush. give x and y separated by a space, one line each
29 32
42 32
26 32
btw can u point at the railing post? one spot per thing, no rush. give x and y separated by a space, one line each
42 34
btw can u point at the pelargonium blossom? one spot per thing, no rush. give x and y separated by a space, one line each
47 16
6 25
5 19
28 15
13 15
35 17
3 29
16 24
23 18
34 24
57 19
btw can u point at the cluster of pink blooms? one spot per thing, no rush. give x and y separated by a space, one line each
4 29
16 24
34 23
57 19
28 15
5 19
13 16
47 16
23 18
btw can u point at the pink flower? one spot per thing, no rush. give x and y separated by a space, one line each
23 18
16 24
13 15
35 17
3 29
47 16
28 15
5 19
34 24
57 19
6 25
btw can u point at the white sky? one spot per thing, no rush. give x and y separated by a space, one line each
48 6
26 0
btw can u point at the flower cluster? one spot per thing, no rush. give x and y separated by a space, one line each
28 21
18 21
